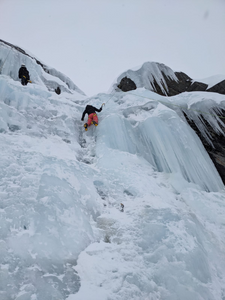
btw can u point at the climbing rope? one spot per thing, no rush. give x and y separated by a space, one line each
109 98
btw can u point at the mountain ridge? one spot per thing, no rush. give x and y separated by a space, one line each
162 80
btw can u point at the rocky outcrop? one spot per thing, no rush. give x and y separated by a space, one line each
126 84
183 84
58 91
164 81
217 151
218 88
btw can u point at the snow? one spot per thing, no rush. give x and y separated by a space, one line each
212 80
147 75
11 60
63 232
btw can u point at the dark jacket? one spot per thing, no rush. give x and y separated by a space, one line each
90 110
24 72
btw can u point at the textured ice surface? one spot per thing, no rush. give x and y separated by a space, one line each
10 63
63 234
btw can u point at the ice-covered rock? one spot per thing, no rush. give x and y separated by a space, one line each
163 80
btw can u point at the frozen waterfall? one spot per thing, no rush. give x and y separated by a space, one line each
63 234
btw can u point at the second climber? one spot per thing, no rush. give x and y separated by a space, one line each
24 75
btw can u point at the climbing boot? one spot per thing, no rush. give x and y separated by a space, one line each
96 124
86 126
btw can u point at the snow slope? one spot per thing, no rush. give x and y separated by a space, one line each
63 234
11 59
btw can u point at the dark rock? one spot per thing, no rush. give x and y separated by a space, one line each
58 91
126 84
180 86
184 84
218 88
217 152
197 86
157 88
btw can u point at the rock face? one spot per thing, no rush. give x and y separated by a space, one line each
218 88
217 153
164 81
184 84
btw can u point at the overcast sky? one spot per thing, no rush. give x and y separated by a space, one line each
94 41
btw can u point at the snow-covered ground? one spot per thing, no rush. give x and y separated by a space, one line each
63 232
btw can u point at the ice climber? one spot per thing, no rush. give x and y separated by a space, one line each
24 75
92 116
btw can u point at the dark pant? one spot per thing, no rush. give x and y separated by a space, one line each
24 80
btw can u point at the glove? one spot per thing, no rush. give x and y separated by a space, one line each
82 119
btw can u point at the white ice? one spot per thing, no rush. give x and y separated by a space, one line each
63 233
147 75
